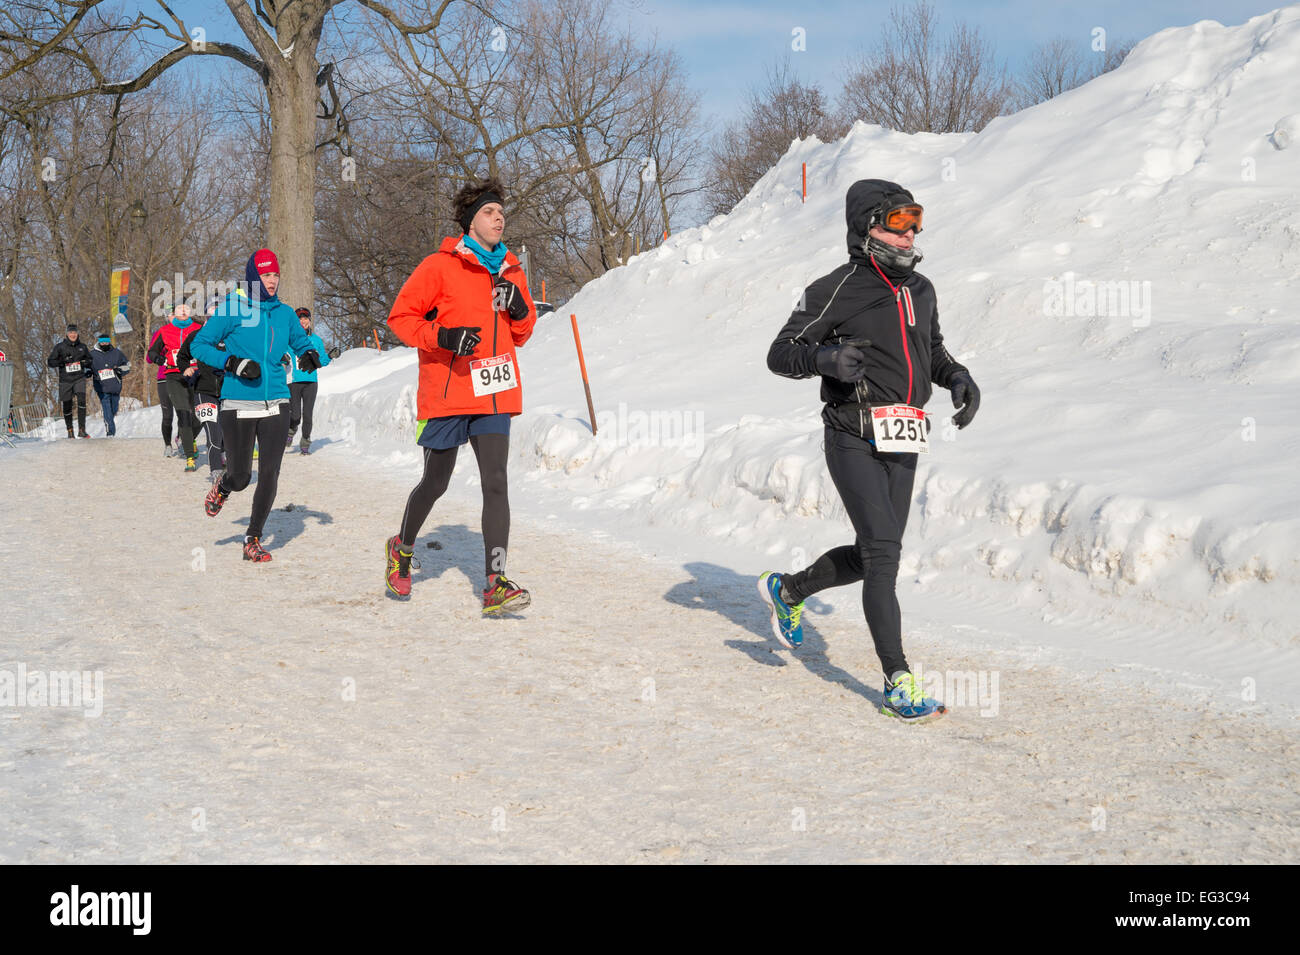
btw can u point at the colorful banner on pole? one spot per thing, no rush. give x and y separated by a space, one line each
117 289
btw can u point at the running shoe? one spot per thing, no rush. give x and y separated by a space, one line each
504 595
305 448
189 464
785 619
399 568
906 701
216 498
288 440
254 551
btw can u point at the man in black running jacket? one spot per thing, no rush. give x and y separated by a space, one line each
870 329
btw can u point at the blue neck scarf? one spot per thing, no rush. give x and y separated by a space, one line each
490 260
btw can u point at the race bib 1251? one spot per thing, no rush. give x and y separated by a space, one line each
900 429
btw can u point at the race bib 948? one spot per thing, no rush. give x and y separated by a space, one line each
900 429
491 375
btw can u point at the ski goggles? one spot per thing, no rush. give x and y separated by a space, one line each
901 217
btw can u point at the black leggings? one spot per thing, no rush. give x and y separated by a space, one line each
491 450
165 400
216 452
877 493
302 399
79 393
180 395
240 433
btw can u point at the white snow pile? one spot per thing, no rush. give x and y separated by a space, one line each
1116 267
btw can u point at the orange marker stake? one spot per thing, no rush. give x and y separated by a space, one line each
586 385
377 340
805 182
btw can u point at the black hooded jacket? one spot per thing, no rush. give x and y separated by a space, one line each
206 380
71 359
897 312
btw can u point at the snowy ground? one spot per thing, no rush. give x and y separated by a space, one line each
640 711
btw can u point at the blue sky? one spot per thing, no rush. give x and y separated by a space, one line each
727 45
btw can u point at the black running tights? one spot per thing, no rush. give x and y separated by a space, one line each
491 450
270 434
877 493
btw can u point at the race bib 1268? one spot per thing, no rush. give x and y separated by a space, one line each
900 429
491 375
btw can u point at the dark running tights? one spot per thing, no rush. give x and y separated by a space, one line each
270 434
165 401
877 493
491 450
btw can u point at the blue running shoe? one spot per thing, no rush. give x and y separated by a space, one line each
905 700
785 619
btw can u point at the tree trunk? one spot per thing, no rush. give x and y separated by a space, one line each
291 230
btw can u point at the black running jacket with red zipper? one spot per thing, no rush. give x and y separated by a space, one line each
897 314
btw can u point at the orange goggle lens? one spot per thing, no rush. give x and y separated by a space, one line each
901 218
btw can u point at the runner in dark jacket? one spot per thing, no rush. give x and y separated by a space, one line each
870 329
109 365
205 383
72 360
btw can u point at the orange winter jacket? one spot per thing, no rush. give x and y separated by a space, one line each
454 282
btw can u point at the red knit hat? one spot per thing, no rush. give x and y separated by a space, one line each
264 261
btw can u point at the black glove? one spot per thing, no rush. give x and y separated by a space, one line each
845 362
309 360
243 367
965 395
510 297
459 340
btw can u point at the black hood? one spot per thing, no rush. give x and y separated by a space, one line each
864 197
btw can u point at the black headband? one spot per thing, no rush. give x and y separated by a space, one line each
479 203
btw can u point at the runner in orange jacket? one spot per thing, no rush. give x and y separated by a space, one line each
466 308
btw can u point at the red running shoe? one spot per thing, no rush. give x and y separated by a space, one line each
253 551
399 568
214 501
503 595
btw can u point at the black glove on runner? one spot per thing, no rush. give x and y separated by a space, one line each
309 360
459 340
511 298
965 396
243 367
845 362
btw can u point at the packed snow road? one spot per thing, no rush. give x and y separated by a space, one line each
639 711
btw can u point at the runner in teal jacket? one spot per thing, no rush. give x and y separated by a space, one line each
258 327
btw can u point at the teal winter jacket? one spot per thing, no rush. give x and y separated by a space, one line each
318 344
263 331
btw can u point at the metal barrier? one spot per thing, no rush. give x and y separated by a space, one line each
6 395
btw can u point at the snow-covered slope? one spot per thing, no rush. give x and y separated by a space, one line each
1134 467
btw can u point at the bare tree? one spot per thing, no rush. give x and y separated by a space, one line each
1062 64
782 109
917 81
283 35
